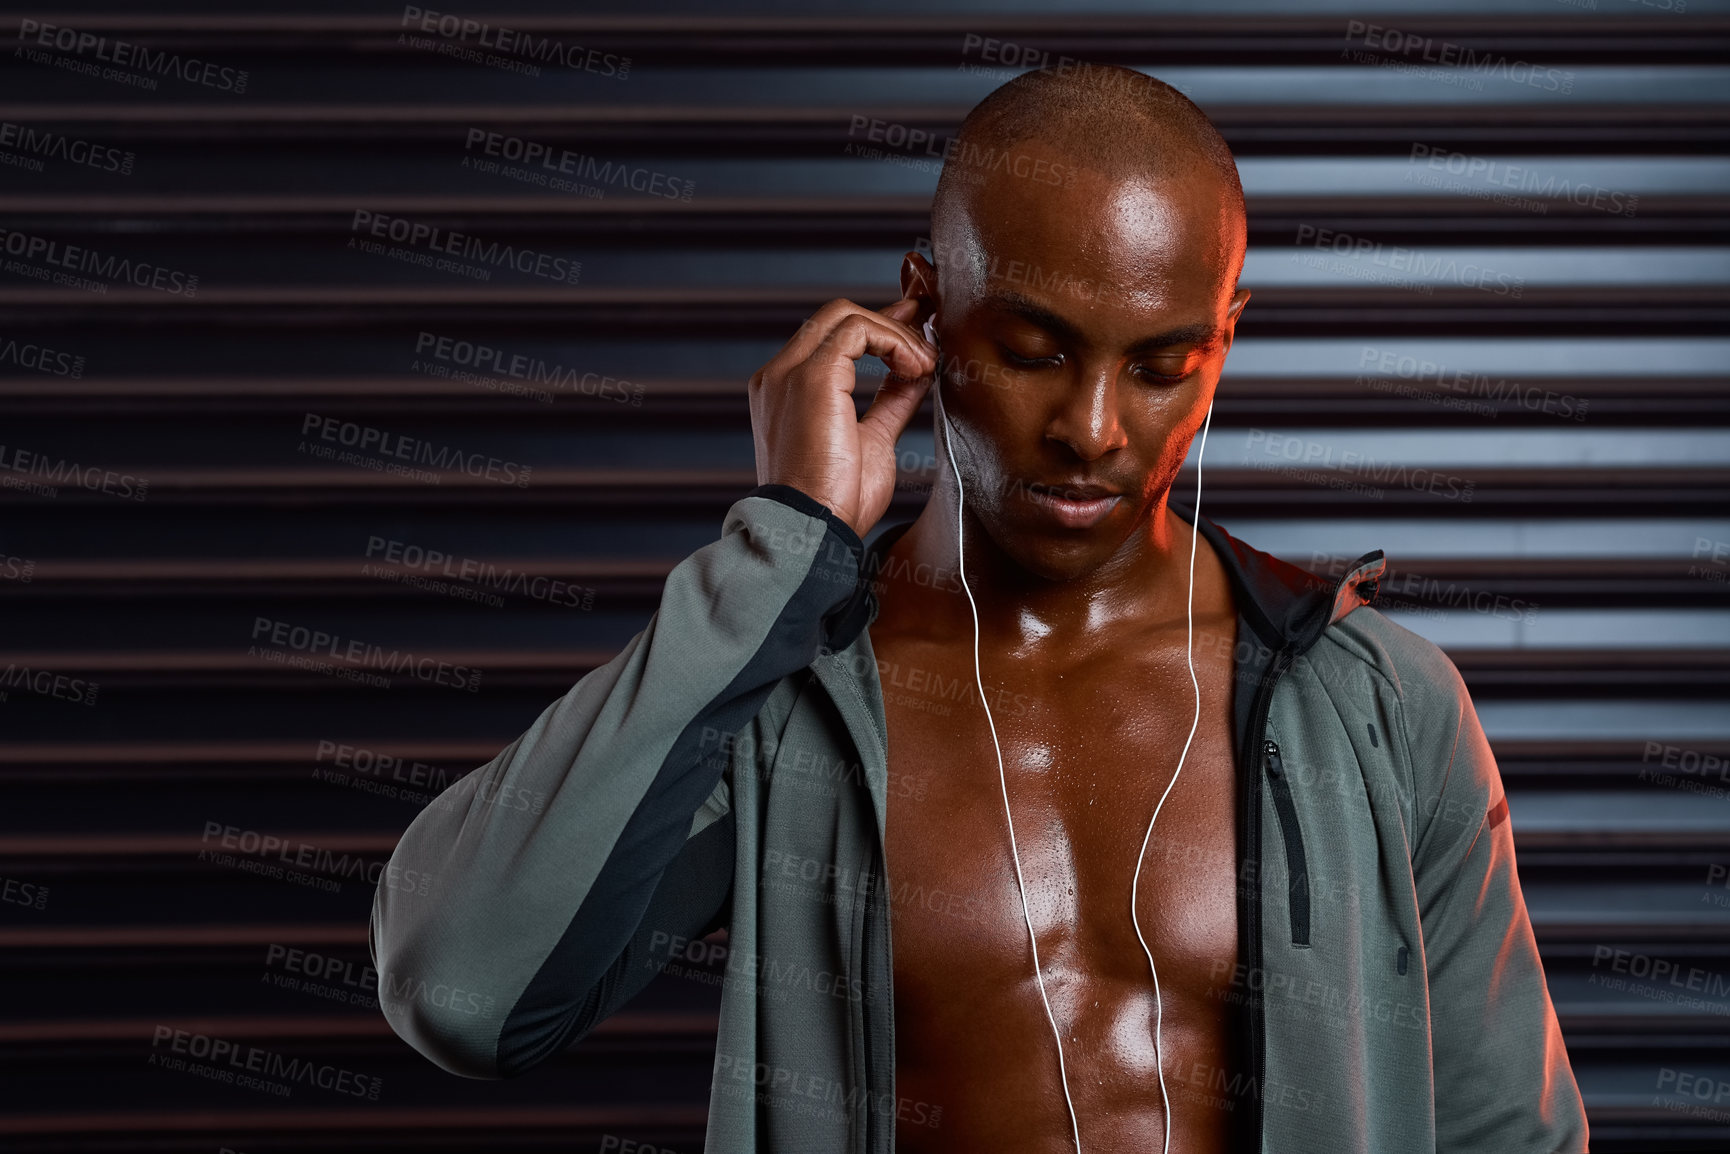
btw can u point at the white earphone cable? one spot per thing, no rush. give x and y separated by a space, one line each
1135 879
1002 780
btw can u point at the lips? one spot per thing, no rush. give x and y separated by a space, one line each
1074 506
1072 491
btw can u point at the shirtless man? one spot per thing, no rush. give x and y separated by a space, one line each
1344 960
1093 375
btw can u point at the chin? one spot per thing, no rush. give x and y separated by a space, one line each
1059 554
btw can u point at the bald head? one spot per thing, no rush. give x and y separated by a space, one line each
1101 125
1087 237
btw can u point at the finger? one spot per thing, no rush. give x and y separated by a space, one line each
821 325
900 314
892 410
813 331
911 313
864 333
820 328
901 311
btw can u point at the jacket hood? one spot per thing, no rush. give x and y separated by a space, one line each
1288 607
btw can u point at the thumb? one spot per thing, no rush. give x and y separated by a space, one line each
892 409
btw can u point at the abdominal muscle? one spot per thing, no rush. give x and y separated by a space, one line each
983 1076
1091 735
976 1059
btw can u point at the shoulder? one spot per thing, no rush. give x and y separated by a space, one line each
1449 765
1412 666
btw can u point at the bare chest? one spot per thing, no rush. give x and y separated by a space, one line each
1088 754
1089 751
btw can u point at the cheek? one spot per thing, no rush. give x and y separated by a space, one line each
1160 437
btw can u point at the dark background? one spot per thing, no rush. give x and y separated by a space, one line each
1572 561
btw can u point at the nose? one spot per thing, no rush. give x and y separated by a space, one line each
1087 420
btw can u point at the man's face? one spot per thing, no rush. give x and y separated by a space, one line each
1080 352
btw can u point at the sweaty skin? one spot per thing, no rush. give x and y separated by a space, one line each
1096 370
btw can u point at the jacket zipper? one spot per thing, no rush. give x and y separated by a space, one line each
1297 865
879 1133
1255 1024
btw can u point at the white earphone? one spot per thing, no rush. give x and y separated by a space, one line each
1135 878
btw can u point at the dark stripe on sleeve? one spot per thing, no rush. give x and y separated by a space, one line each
609 916
692 900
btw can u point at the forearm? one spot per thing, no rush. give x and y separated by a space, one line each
544 862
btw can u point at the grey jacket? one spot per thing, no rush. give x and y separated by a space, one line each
728 769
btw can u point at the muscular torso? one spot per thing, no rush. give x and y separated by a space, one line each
1091 731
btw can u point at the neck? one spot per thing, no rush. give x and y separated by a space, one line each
1146 579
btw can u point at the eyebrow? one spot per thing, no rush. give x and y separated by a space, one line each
1202 332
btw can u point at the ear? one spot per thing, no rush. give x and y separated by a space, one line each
1232 312
919 282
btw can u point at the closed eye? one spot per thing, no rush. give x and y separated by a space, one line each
1021 362
1148 374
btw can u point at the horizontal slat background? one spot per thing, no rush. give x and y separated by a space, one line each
1572 560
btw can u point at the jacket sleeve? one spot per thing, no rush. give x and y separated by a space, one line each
1502 1078
528 900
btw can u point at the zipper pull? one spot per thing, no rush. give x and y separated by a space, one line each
1274 766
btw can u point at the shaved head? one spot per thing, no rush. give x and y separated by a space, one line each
1086 241
1114 123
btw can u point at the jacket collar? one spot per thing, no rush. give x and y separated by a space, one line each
1287 607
